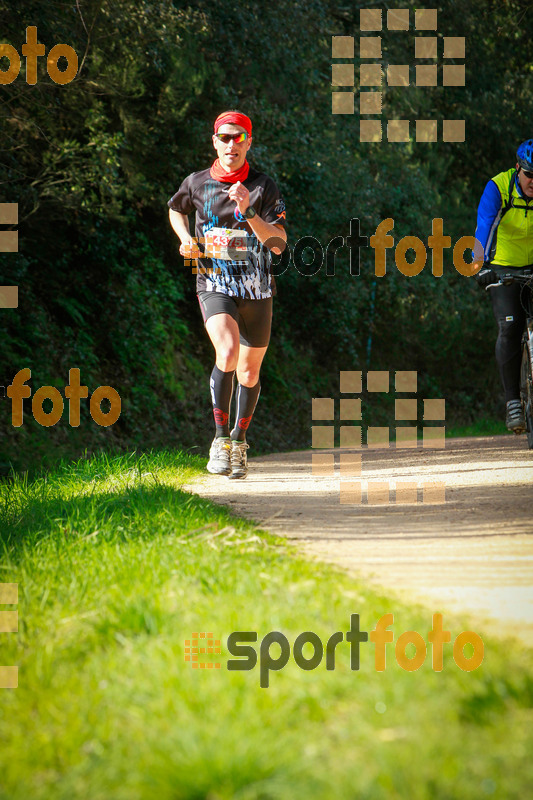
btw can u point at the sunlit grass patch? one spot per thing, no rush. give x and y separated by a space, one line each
117 567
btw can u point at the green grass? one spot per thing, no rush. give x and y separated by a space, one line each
117 566
485 427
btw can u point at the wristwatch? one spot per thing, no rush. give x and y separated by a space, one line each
249 213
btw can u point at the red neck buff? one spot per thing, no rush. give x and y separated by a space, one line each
217 170
219 173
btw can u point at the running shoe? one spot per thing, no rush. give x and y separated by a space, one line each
239 468
220 460
514 416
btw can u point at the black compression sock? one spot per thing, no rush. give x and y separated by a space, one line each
247 397
221 384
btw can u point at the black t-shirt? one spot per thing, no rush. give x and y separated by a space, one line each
250 276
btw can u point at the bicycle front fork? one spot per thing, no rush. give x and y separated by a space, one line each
529 333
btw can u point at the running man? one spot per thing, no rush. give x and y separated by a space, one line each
237 210
505 230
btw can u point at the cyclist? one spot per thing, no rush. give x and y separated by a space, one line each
234 281
505 230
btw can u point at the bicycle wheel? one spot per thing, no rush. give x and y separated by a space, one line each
526 392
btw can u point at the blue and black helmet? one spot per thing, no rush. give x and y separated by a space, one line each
524 155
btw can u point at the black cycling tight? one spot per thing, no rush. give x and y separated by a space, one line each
510 317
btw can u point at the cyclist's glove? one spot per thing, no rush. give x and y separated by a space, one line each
486 277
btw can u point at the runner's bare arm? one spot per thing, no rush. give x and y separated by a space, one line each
266 231
180 224
263 230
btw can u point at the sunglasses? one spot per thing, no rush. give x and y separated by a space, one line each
527 174
228 137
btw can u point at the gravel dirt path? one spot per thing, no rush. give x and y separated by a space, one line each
472 553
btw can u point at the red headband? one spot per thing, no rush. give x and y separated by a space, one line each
235 118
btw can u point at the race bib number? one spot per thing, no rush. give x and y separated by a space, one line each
226 243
